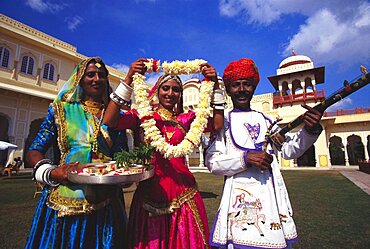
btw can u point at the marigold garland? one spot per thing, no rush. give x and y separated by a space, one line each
151 132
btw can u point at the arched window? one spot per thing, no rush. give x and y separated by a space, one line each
27 65
355 149
48 71
296 87
285 88
336 151
4 57
265 106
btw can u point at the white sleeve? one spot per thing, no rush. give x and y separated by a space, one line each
219 162
295 146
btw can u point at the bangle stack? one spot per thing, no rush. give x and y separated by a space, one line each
42 170
218 100
116 99
122 95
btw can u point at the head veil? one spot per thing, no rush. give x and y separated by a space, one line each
153 93
72 91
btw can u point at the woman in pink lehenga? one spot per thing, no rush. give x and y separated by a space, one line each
167 210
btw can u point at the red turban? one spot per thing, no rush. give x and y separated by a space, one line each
241 69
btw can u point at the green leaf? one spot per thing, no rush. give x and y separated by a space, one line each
142 154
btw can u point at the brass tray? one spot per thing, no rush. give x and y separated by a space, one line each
134 176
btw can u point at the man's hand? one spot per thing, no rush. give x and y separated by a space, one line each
259 159
311 119
277 139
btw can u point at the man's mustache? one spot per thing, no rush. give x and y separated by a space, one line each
243 94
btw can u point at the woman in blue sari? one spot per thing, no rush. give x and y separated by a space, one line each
70 215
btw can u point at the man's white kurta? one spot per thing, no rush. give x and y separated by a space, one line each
255 210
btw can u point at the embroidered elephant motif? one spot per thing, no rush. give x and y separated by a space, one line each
275 226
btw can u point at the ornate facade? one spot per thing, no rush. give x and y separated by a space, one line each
345 138
33 67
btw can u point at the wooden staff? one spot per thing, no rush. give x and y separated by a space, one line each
268 134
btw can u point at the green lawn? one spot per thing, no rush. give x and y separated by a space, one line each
329 210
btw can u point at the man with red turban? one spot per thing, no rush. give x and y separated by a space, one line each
255 210
241 69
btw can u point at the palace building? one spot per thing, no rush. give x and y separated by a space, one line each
34 66
346 135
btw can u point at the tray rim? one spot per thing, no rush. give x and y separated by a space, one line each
111 179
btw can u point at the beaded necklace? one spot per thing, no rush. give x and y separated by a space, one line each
94 108
170 117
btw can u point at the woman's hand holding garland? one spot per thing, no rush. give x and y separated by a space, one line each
151 132
138 66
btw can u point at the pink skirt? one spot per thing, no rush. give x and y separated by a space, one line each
186 227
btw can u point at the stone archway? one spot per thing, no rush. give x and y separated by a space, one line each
336 150
355 149
4 129
308 158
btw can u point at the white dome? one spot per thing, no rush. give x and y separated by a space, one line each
295 60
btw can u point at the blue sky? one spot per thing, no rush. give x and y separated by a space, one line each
334 34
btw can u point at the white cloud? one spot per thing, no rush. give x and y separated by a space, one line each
254 11
327 38
44 6
265 12
143 51
343 104
121 67
363 17
320 35
334 31
73 22
150 78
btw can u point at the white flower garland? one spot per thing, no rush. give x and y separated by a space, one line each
151 132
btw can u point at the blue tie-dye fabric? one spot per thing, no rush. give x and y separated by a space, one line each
103 228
